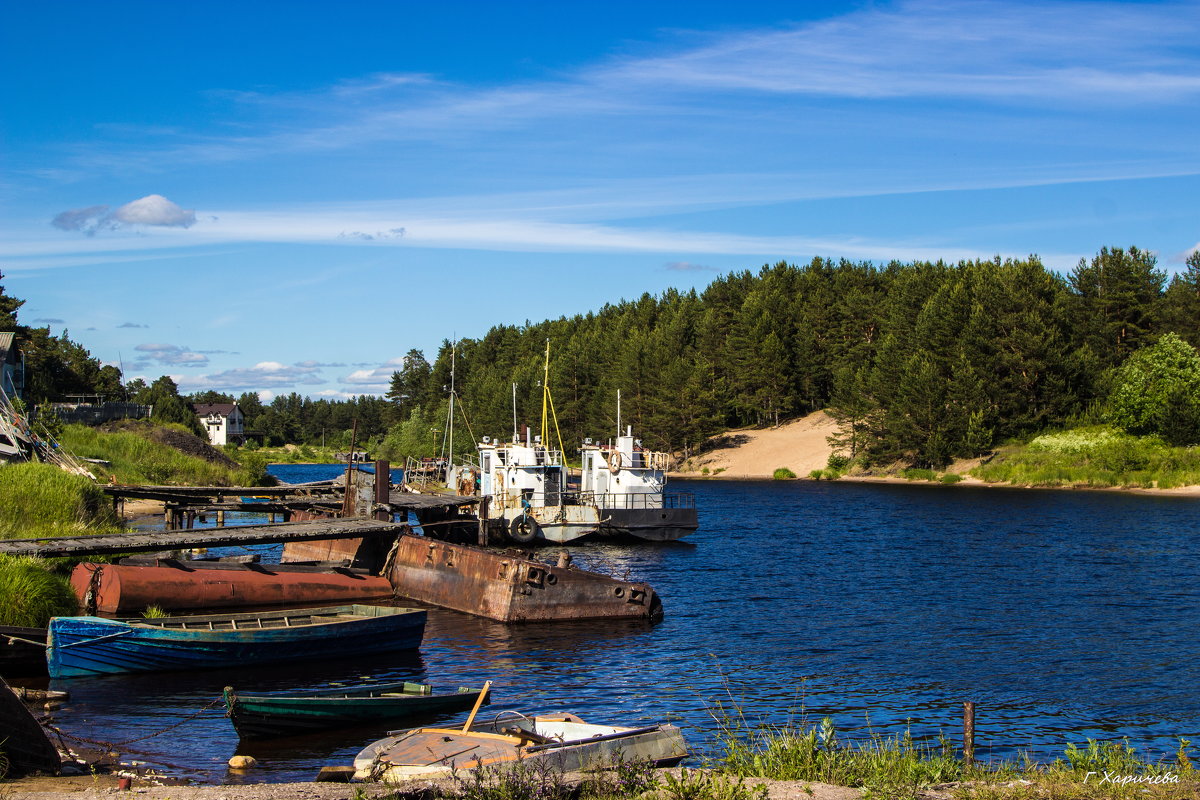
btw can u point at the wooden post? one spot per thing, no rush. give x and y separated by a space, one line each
968 733
484 502
383 490
220 519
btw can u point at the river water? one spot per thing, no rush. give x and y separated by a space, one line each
1063 615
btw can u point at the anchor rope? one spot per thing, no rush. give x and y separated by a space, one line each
61 734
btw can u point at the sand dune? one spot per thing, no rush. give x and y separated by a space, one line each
799 445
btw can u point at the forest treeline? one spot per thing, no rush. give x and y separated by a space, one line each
921 362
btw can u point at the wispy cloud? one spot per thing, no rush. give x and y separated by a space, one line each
1066 52
49 320
687 266
265 376
132 325
168 355
1058 53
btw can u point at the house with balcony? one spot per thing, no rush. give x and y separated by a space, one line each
224 422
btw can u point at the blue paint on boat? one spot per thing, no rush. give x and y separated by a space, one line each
83 646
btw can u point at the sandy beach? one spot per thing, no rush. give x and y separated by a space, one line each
802 446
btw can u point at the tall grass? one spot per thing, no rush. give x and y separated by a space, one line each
136 459
1096 456
41 500
892 766
30 595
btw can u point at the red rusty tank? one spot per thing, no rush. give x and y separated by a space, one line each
118 588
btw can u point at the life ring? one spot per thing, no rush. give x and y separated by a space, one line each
523 529
614 462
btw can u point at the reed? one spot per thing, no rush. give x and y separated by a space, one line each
30 595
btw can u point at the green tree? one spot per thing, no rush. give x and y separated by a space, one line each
8 309
1116 297
1157 391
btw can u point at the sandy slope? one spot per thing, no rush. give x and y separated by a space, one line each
798 445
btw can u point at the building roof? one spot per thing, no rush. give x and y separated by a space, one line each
208 409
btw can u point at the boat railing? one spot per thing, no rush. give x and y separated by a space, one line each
638 500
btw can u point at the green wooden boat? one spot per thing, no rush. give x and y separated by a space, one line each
264 715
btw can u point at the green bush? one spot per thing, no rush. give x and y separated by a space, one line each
950 478
783 474
919 474
837 462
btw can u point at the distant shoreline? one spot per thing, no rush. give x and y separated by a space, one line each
967 481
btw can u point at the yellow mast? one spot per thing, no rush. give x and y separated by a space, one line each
548 412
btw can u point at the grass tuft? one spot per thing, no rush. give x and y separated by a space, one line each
783 474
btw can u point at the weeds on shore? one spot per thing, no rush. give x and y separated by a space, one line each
1095 456
136 459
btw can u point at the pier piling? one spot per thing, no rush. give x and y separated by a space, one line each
968 733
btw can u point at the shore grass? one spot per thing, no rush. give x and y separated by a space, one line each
290 454
136 459
1096 456
900 768
42 500
30 594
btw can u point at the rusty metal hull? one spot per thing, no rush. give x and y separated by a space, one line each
509 588
117 588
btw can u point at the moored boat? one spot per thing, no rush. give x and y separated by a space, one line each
626 483
260 715
560 741
84 646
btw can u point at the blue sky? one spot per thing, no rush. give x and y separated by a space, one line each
285 197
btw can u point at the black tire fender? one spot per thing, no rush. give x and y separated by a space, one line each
524 529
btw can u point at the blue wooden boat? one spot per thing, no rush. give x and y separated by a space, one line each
81 646
260 715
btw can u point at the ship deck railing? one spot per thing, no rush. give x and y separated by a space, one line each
638 500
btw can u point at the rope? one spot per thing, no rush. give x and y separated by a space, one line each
113 745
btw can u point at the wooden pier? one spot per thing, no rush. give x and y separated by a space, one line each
307 531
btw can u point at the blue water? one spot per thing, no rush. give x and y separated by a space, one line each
1063 615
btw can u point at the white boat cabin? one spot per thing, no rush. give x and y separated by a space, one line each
519 475
623 474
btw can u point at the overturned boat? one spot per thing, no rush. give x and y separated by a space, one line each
172 584
562 742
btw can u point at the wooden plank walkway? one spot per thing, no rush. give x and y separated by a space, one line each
151 541
178 493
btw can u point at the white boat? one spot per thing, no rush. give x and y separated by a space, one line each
626 483
561 741
529 498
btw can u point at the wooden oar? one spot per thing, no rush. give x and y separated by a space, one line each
487 685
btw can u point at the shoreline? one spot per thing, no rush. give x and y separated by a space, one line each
967 481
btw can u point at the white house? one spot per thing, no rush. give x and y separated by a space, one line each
224 422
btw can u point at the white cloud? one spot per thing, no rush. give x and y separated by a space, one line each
154 210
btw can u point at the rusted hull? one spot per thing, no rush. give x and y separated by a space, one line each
362 553
509 588
117 588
